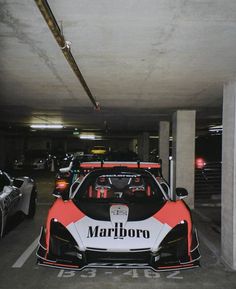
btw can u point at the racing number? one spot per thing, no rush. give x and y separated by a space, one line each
66 274
91 273
88 273
133 273
174 274
148 273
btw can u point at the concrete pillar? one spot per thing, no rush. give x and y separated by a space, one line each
164 135
143 147
228 209
183 151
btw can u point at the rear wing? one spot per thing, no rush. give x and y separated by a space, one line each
154 168
133 165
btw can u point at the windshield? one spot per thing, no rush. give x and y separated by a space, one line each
119 186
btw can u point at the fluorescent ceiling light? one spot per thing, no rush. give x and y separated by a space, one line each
216 128
87 136
76 133
47 126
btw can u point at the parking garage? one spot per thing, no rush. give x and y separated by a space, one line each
142 81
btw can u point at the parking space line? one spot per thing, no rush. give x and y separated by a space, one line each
24 256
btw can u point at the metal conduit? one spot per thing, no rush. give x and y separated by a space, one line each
56 31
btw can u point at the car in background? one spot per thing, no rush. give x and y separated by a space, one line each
98 150
34 159
72 170
16 195
39 159
18 163
63 160
119 217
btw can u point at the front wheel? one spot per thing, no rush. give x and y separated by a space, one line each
32 203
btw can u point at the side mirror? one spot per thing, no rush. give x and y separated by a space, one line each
7 189
67 169
17 182
181 193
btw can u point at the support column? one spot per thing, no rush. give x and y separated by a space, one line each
228 209
183 151
164 135
143 147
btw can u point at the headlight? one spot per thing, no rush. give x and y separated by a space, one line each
176 234
59 232
175 244
61 184
62 245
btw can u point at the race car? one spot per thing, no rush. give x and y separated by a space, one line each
16 195
119 217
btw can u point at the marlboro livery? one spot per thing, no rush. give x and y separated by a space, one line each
119 217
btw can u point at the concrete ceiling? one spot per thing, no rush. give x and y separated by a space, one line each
142 60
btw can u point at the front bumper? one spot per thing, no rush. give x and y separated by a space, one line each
74 259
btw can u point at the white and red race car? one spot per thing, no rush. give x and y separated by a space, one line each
119 217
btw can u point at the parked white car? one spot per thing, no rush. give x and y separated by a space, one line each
16 195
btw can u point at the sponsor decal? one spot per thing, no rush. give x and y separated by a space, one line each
118 232
119 212
120 176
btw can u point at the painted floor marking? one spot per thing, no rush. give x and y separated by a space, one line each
24 256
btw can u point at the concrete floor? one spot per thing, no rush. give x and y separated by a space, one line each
18 267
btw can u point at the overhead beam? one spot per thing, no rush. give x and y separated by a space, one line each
65 47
